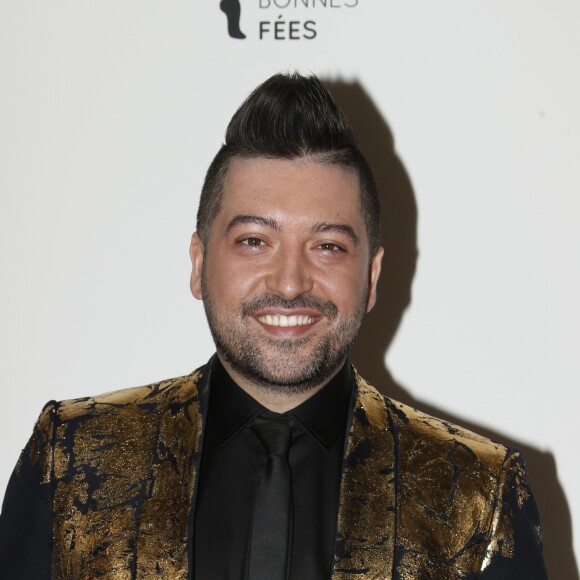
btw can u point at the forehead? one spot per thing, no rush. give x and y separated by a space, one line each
297 189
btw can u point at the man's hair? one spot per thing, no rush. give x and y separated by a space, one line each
290 117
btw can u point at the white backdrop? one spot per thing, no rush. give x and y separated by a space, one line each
110 112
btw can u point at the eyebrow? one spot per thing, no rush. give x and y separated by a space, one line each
319 228
339 228
253 219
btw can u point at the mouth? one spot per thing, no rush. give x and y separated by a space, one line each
282 319
286 321
287 324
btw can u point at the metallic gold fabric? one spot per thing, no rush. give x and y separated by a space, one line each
502 541
419 498
447 493
366 516
125 465
38 451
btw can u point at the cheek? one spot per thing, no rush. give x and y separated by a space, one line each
229 283
346 289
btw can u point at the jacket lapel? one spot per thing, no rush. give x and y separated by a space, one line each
165 540
366 515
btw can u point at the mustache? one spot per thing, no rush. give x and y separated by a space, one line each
325 307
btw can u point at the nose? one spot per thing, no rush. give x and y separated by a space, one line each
290 274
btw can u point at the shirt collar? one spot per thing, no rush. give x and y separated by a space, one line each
323 416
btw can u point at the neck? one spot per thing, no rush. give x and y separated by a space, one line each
271 398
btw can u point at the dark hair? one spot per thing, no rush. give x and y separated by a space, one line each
287 117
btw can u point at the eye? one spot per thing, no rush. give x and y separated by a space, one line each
330 248
251 242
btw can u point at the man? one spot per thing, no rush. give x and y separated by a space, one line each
276 459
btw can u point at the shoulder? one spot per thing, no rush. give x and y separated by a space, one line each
173 394
126 423
427 444
124 415
418 428
154 398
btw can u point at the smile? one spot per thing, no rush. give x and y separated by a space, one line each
286 321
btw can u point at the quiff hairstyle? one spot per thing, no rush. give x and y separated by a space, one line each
290 117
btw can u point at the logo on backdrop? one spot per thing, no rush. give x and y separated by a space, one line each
282 19
233 11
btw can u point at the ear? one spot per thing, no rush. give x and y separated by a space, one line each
374 273
196 255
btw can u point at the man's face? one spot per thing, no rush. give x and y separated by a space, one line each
285 274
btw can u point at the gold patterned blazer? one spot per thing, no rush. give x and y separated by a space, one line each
419 498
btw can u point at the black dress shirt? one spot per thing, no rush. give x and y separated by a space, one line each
233 460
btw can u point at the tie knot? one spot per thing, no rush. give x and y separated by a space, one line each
274 433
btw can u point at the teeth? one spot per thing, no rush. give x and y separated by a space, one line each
281 320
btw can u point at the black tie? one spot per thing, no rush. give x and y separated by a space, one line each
270 548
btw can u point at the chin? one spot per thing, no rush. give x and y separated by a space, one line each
286 373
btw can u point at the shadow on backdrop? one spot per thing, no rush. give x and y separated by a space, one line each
399 231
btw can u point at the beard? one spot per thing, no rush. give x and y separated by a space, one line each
287 366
